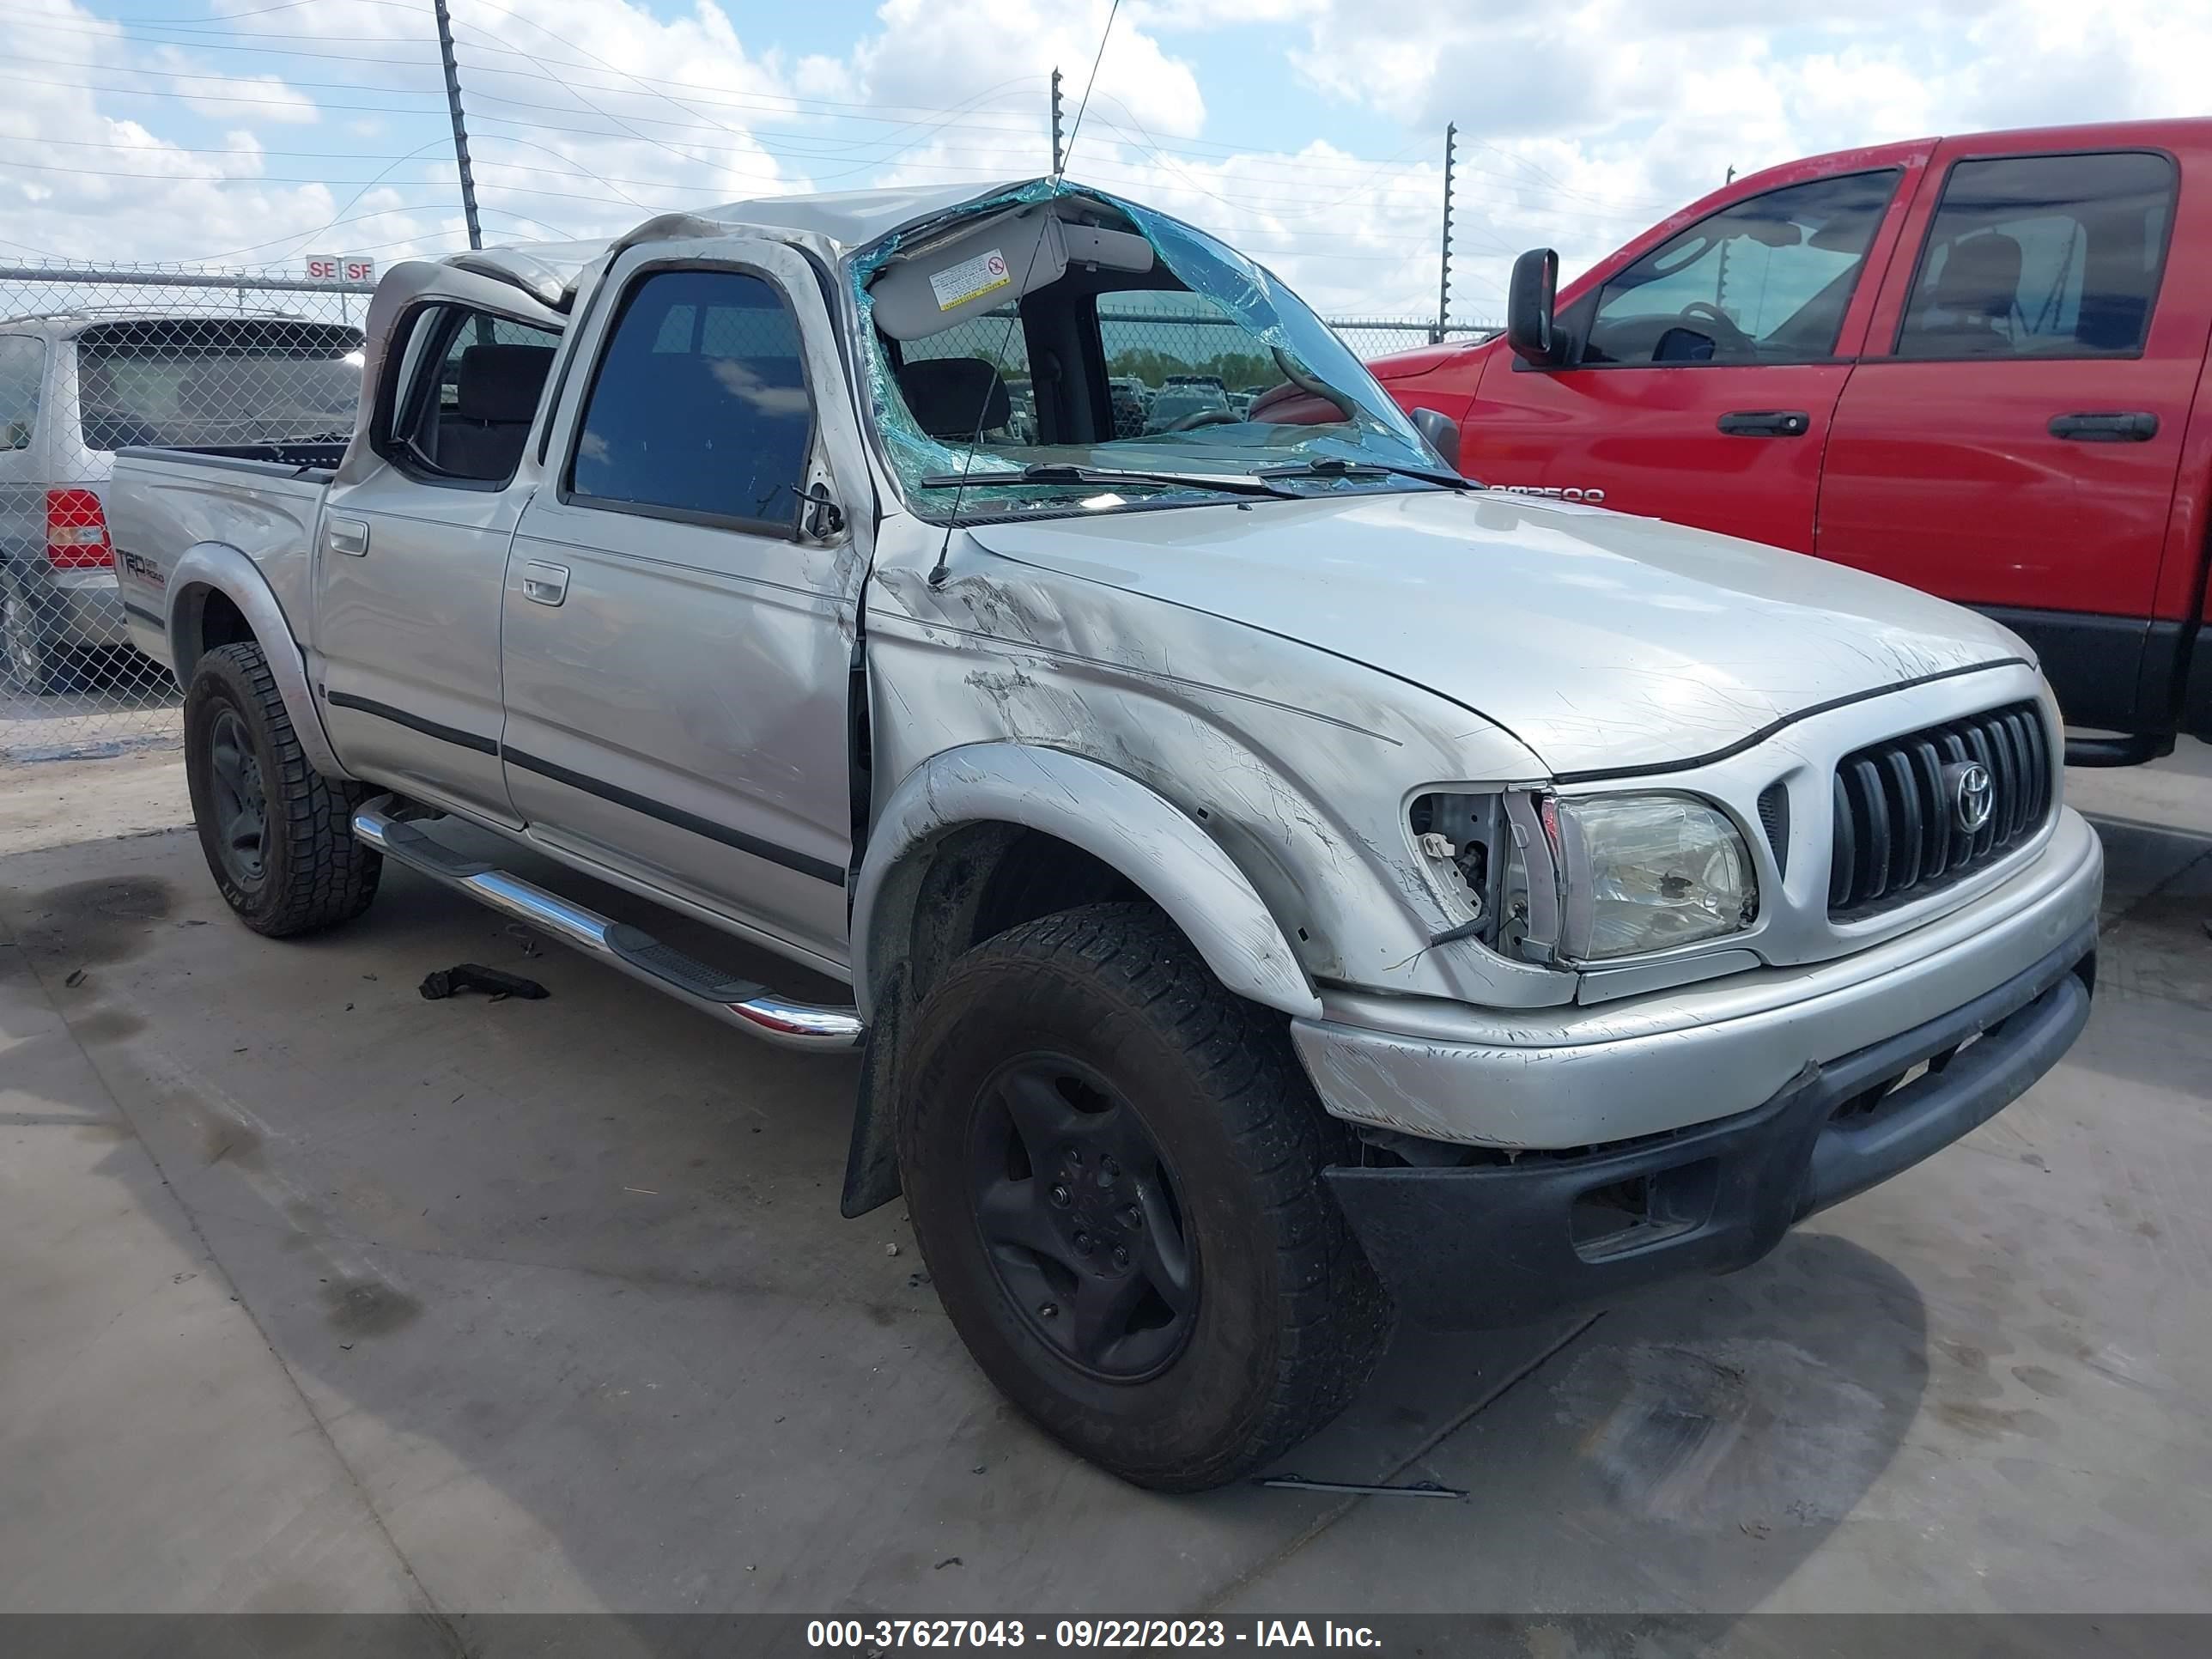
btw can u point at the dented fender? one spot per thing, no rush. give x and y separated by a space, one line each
1107 814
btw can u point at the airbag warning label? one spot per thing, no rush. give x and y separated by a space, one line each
955 285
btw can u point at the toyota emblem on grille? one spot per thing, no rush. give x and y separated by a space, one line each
1973 797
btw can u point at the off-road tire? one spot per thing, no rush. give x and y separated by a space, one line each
1289 1318
313 873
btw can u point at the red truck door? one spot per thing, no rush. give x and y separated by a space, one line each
1700 375
2011 435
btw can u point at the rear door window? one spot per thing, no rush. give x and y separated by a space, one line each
469 395
216 383
700 408
1765 280
2042 256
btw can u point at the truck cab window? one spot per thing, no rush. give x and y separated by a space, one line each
1766 280
467 409
2042 256
700 407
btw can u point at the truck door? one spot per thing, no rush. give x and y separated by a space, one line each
1701 376
679 620
410 556
2011 437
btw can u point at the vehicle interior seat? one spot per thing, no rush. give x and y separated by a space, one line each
951 398
495 397
1976 292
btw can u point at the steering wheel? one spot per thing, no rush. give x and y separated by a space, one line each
1198 417
1705 312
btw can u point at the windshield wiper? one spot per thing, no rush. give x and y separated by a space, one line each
1063 472
1332 466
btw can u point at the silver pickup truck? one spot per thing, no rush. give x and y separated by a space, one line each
1283 884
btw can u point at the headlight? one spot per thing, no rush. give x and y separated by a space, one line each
1647 873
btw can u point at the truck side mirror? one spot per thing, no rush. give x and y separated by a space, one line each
1529 298
1441 432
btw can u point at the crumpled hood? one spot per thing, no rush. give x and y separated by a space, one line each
1597 639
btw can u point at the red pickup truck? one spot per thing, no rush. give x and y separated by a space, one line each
1976 365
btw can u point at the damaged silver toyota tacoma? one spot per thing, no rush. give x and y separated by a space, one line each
1283 885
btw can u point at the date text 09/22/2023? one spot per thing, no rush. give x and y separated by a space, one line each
1070 1635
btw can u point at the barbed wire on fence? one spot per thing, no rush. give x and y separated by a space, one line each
95 359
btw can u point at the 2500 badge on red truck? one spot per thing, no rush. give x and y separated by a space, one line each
1976 365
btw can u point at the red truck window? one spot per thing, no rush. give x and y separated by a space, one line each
1765 280
2042 256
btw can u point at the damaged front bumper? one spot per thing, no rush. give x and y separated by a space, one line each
1548 1080
1500 1243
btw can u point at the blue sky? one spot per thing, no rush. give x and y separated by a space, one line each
255 131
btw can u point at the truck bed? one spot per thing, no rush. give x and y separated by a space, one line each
162 503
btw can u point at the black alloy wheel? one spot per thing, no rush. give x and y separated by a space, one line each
1082 1219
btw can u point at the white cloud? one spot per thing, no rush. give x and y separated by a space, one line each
1579 123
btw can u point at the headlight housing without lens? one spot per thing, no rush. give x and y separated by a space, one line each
1640 874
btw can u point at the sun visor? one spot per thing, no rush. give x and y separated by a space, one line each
946 282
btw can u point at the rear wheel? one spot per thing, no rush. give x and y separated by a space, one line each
275 830
1114 1170
34 661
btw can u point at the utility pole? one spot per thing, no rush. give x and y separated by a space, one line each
460 131
1443 280
1056 157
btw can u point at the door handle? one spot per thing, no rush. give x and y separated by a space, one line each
1767 424
2125 427
545 584
347 536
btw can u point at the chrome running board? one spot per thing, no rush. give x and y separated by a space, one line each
750 1008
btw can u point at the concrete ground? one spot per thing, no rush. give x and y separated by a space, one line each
319 1295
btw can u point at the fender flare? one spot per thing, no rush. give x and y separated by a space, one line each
1109 815
217 567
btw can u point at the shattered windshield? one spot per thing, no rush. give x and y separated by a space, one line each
1059 351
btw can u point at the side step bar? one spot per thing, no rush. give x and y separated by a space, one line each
741 1002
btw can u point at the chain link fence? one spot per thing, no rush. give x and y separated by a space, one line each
93 361
97 359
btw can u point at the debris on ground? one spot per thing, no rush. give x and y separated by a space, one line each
474 976
1417 1489
890 1249
948 1561
76 978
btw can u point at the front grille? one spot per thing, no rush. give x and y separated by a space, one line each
1898 832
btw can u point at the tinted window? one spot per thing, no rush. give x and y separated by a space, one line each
700 405
2042 256
1766 280
217 382
471 397
23 364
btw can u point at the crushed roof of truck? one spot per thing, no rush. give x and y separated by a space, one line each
845 220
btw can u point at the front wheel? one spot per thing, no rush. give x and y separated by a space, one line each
276 831
1114 1170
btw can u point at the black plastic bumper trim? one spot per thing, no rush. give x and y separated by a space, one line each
1474 1246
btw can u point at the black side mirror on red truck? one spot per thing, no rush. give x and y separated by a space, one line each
1528 308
